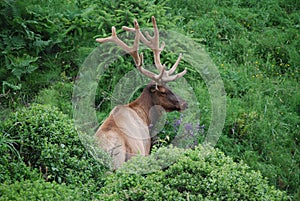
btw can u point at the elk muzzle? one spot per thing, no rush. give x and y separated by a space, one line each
182 104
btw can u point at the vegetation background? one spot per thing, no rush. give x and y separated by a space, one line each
255 45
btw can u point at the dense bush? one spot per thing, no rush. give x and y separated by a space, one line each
38 190
58 95
45 140
12 168
200 174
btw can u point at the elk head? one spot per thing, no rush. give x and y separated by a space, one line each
164 97
161 94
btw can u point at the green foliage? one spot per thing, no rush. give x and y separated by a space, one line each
21 65
46 141
38 190
31 44
12 170
256 46
248 33
200 174
263 131
58 95
41 40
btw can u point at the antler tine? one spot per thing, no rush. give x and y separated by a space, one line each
153 76
174 77
172 70
153 43
133 51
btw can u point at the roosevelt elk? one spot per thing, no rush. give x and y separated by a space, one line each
125 132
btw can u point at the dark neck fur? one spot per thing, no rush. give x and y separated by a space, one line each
143 104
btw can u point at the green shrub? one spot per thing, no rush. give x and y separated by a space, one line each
11 170
200 174
58 95
38 190
47 141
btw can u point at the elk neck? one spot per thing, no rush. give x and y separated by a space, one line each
142 105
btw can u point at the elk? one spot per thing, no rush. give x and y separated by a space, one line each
125 132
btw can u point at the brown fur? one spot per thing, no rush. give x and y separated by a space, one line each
125 132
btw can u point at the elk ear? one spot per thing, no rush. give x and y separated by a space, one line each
162 89
153 88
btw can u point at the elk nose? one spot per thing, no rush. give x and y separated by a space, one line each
183 105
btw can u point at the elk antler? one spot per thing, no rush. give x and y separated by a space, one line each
133 51
164 76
